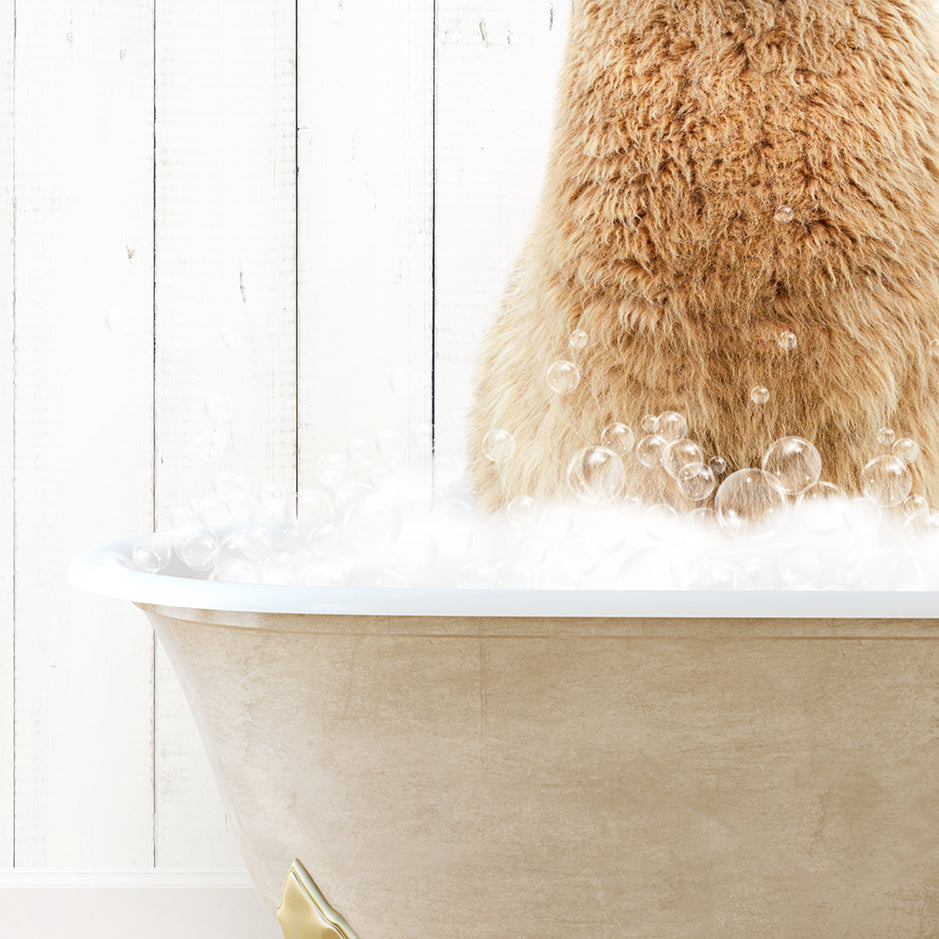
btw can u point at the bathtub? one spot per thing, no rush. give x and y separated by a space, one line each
431 764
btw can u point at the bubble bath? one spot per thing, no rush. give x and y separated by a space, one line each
370 522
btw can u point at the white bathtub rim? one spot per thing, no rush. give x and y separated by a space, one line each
91 572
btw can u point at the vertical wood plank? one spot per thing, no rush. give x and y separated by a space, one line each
365 108
6 433
225 322
83 443
497 76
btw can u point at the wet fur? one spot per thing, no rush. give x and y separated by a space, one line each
681 128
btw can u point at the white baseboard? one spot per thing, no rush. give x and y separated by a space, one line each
142 904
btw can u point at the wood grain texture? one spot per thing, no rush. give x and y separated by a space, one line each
83 393
497 67
365 85
6 432
225 323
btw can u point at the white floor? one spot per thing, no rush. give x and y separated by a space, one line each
143 905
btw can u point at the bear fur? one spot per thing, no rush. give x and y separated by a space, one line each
682 128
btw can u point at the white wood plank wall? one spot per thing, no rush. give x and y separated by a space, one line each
263 208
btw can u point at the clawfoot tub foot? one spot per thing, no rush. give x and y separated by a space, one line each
304 913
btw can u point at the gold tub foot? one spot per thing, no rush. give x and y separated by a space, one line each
304 913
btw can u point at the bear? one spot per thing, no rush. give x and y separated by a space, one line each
740 224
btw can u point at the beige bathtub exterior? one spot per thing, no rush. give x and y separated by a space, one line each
461 778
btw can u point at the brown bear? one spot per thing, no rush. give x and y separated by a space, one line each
742 195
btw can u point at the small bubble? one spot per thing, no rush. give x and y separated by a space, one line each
619 438
934 348
152 553
784 214
886 437
681 453
563 377
361 452
718 465
650 451
916 507
788 341
331 470
523 512
372 522
498 446
198 549
799 567
747 501
906 449
578 339
218 409
596 474
671 425
696 481
390 446
886 481
759 394
792 464
213 511
649 423
824 512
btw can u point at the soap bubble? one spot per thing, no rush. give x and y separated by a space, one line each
213 511
313 505
362 452
650 451
916 507
151 553
906 449
218 408
679 454
557 522
671 425
696 481
934 348
619 438
198 549
799 567
279 568
183 516
515 574
578 339
324 539
390 446
886 481
448 470
498 446
862 516
823 512
319 574
658 521
255 543
596 474
649 423
886 437
718 465
759 394
784 214
787 341
792 464
563 377
476 576
523 512
748 502
236 571
372 522
331 470
412 555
